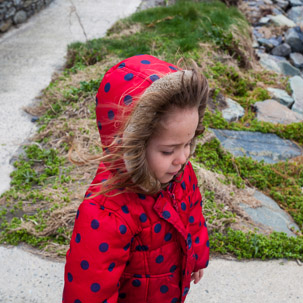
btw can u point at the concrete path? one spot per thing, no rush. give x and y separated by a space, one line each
28 57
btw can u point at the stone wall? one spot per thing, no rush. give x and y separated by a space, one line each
13 12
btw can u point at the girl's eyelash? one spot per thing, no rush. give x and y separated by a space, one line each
167 153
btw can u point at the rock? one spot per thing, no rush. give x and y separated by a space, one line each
233 112
4 26
11 12
268 43
281 20
296 14
287 69
295 3
281 96
282 50
294 38
296 84
20 17
282 3
258 146
263 21
269 63
296 59
274 112
270 214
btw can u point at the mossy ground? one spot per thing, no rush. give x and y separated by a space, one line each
47 187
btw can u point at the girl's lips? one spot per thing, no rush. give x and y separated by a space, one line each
173 173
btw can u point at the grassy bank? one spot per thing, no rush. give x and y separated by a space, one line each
47 187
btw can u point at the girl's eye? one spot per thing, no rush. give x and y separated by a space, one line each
167 153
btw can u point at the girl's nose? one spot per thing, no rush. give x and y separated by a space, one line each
181 158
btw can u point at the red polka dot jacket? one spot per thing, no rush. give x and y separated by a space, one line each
135 248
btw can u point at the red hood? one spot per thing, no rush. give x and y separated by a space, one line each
121 88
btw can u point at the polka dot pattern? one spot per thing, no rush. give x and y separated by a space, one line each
84 265
95 224
125 209
95 287
103 247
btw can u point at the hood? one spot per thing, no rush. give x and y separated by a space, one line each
121 89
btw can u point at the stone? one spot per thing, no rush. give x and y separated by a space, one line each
268 43
281 96
296 59
294 38
263 21
282 3
259 146
281 20
233 112
287 69
274 112
17 2
20 17
4 26
269 63
282 50
11 12
296 14
295 3
271 215
296 85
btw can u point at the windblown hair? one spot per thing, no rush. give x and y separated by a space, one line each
126 155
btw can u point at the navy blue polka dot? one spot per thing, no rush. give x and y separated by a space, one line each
95 287
197 240
77 301
159 259
166 214
168 237
145 62
78 212
173 268
154 77
121 65
157 228
110 115
189 241
103 247
137 276
122 229
141 196
142 248
128 77
107 87
191 219
207 243
105 301
95 224
78 238
174 300
186 289
206 264
205 224
172 68
164 289
143 218
69 277
87 196
96 100
194 187
183 185
136 283
99 125
126 247
111 266
125 209
84 265
128 100
183 206
122 295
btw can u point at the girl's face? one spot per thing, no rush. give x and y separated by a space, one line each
169 148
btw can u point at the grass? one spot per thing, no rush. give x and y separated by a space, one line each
46 188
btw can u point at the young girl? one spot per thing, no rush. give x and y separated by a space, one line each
139 234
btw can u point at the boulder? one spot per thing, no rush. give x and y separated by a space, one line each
282 50
296 59
282 4
274 112
282 20
296 85
287 69
296 14
233 112
259 146
20 17
294 38
268 43
281 96
295 3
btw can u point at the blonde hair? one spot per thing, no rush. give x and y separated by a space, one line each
125 156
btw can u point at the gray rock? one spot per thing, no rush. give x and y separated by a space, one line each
4 26
294 38
233 112
274 112
296 14
271 215
296 85
17 2
281 96
281 20
296 59
295 3
269 62
282 4
263 21
11 12
268 43
282 50
20 17
267 147
287 69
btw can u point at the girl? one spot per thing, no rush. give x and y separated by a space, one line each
139 234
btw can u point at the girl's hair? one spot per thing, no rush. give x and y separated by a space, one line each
125 157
